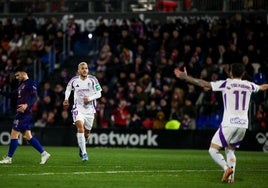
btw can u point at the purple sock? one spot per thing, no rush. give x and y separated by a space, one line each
36 144
12 147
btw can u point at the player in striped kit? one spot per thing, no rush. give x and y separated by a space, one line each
236 95
86 89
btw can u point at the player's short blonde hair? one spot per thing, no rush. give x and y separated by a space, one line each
81 64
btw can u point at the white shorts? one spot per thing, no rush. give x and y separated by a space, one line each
87 119
229 136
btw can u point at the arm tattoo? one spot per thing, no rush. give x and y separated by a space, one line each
196 81
192 80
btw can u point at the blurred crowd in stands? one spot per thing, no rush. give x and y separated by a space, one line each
119 6
134 64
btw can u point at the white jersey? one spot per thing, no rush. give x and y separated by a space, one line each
89 87
236 97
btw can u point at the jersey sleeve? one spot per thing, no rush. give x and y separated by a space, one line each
97 89
69 88
218 85
32 94
255 87
96 85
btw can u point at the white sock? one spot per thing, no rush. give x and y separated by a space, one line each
81 142
231 159
218 158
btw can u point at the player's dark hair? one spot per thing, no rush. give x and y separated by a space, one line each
20 68
237 70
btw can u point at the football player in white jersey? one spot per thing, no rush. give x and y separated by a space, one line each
236 97
86 89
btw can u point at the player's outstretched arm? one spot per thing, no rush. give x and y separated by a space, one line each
183 76
263 87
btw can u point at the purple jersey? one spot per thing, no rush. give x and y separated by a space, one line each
27 94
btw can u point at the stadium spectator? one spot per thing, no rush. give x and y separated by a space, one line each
151 109
248 67
58 100
42 122
47 60
29 25
121 114
14 45
64 77
59 47
114 32
261 117
25 48
159 120
104 112
189 114
165 106
103 58
38 45
135 122
48 119
9 67
64 119
73 32
8 31
46 97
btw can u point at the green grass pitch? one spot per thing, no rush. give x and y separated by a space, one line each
128 167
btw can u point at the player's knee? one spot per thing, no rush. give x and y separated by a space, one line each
27 137
212 151
233 159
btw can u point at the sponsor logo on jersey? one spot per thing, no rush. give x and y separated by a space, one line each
238 120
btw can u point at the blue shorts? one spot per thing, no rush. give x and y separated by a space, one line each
22 123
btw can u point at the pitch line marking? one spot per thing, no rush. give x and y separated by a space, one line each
117 172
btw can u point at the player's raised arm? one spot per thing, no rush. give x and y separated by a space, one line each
183 76
263 87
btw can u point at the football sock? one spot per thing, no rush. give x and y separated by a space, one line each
218 157
12 147
36 144
81 142
231 159
86 139
87 134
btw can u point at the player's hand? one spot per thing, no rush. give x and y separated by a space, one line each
22 107
65 104
180 74
86 100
